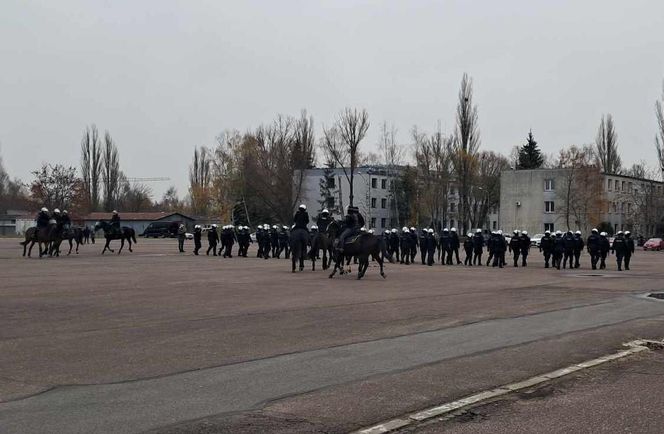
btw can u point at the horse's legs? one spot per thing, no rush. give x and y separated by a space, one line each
294 259
106 246
71 245
129 247
121 245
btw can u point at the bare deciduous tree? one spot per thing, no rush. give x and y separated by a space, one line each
199 181
606 144
659 137
393 155
57 187
486 194
91 166
466 144
341 142
111 174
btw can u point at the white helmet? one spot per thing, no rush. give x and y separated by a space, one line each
274 226
266 226
412 228
469 234
325 211
44 209
431 231
65 212
453 229
405 230
445 230
628 233
479 231
594 230
363 229
57 211
603 234
516 231
500 231
547 232
303 206
525 232
394 230
578 232
214 225
387 231
114 212
284 227
314 227
371 231
558 233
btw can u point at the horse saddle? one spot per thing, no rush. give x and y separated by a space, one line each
352 239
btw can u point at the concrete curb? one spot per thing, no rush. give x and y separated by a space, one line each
635 347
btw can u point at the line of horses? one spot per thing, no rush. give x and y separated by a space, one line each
50 238
362 246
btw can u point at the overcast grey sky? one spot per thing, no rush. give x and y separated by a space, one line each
166 76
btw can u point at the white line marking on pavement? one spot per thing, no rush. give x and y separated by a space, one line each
635 347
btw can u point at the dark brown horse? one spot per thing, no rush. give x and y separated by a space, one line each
362 246
125 233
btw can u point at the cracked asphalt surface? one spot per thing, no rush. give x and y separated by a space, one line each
168 342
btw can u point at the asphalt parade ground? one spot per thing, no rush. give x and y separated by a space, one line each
160 341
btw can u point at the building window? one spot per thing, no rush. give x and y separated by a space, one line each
494 225
330 182
383 184
452 223
548 227
629 208
382 223
330 202
615 207
383 203
549 206
615 227
374 182
548 185
452 191
617 185
452 207
622 188
373 222
630 187
608 185
373 202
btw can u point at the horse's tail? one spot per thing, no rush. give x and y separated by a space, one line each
383 250
133 236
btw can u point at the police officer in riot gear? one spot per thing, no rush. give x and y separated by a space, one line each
546 247
592 243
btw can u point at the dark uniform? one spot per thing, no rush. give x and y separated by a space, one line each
478 245
301 219
284 244
405 242
592 244
629 250
568 244
515 247
42 219
558 250
413 244
115 223
619 247
394 245
456 244
604 248
446 247
498 247
213 238
525 249
197 240
546 247
352 224
578 248
468 247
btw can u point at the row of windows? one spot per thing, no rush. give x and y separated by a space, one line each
627 186
383 202
374 183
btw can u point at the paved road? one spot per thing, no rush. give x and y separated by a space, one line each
623 396
157 340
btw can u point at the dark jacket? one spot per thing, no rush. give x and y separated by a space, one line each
578 243
323 222
546 244
212 236
478 242
42 219
525 244
301 219
604 245
619 245
559 244
569 242
593 242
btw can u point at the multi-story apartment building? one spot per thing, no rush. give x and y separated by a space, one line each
374 195
562 199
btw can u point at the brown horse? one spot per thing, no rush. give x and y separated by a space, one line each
46 236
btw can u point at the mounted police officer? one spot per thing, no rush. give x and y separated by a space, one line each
115 222
592 244
353 222
42 218
323 220
301 218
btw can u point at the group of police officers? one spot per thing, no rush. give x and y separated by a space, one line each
560 250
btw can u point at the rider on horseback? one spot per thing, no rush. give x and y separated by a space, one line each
353 221
323 220
115 222
301 218
42 218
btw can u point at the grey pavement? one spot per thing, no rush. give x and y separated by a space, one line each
145 404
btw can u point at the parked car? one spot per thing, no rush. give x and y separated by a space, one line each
161 230
654 244
536 239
